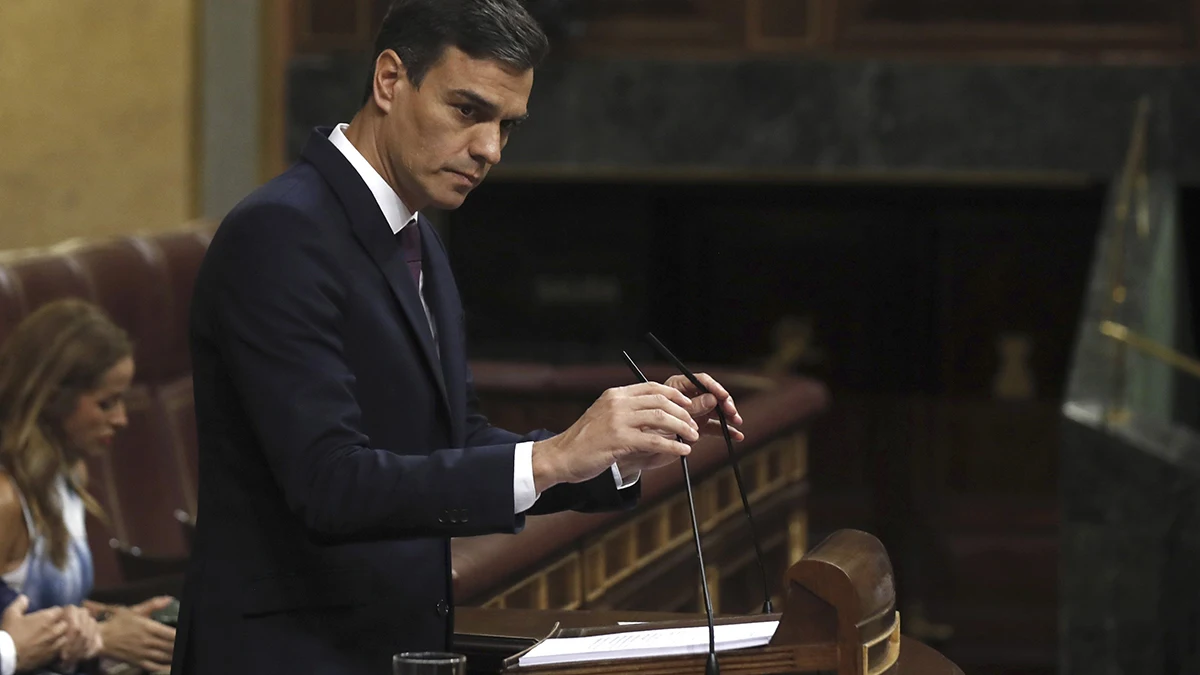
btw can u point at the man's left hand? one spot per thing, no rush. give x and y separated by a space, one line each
703 409
704 406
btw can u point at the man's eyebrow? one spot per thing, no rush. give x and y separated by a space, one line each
478 100
486 105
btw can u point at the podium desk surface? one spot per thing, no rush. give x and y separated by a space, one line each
525 626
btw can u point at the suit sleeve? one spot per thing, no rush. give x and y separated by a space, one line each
592 496
275 301
7 596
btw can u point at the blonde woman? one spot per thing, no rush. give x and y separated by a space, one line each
64 372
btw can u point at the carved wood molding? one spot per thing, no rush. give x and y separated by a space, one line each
1037 29
584 576
322 26
1162 26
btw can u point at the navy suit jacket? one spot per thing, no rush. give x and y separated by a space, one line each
338 452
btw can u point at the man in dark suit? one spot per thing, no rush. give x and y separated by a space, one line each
340 442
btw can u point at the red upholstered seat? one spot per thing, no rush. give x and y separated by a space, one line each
144 283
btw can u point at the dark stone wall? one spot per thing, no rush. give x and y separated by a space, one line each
817 115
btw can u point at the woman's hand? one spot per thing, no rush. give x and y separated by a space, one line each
83 641
131 636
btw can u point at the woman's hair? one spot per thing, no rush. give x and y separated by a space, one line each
55 355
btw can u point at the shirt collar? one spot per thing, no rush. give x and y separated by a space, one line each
394 210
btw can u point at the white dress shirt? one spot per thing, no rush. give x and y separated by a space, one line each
398 217
8 654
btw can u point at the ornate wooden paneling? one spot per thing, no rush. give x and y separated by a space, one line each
787 25
973 26
634 554
732 28
321 26
1021 11
621 25
332 25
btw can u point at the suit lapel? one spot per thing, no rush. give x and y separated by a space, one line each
373 232
446 308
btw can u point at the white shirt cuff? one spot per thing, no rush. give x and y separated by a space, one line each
621 482
8 654
524 492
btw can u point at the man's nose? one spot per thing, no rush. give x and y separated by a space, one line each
487 144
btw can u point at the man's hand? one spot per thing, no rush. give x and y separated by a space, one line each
39 637
83 640
134 638
624 423
704 406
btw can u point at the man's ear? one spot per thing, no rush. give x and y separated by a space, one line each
390 79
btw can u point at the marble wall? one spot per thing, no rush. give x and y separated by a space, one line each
815 115
1130 538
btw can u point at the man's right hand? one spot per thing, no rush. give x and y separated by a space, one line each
626 421
39 637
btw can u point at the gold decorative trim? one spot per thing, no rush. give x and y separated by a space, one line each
893 649
797 540
1150 347
587 574
712 574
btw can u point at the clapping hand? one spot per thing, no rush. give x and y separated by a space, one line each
131 636
83 641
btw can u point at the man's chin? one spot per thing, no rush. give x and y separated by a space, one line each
448 200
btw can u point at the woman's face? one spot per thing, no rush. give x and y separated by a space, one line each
99 413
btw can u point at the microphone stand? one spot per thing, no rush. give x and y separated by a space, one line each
710 666
737 471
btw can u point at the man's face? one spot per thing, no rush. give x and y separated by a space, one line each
440 140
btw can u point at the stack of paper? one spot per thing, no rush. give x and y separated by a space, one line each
648 643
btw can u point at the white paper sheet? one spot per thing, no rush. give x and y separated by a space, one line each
649 643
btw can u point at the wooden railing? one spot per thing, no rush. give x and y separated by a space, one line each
574 561
583 576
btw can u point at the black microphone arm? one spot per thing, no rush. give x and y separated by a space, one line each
710 667
737 471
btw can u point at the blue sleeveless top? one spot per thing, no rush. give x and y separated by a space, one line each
37 577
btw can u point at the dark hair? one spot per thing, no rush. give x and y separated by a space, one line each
419 31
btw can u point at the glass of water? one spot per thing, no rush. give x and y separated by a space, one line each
429 663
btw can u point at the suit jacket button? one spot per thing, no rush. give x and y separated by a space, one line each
443 608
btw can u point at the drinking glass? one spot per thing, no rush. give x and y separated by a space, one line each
429 663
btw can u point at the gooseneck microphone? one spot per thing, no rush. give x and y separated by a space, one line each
710 667
737 471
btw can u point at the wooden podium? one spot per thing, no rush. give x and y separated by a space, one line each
839 616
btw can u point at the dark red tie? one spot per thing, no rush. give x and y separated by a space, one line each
410 244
